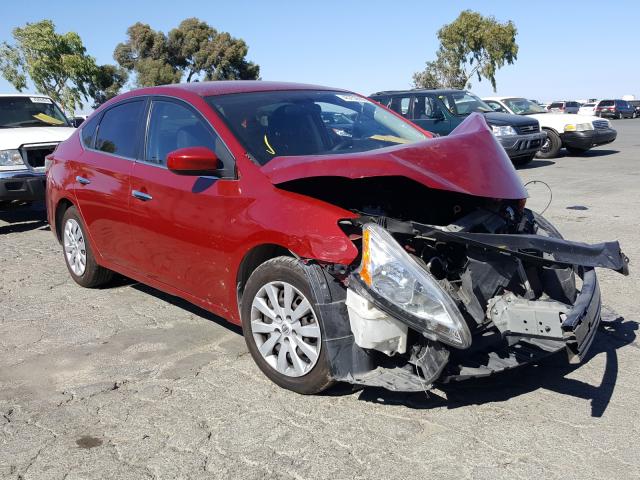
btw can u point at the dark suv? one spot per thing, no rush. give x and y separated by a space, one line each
615 109
636 105
440 111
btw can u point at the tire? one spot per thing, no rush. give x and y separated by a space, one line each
619 116
551 146
76 247
259 328
577 151
521 161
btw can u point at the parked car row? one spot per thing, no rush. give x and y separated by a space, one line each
615 108
524 128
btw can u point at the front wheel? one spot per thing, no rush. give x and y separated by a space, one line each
78 255
282 329
551 146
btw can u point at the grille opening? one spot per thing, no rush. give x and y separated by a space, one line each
35 155
13 186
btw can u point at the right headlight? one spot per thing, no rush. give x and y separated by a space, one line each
503 131
11 160
390 273
580 127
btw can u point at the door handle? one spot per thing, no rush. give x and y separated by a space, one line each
145 197
82 180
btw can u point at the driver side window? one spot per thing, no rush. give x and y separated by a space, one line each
495 106
173 126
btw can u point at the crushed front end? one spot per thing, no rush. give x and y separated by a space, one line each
496 288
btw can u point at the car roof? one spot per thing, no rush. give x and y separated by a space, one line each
224 87
417 90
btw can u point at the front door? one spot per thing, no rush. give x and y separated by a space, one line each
179 221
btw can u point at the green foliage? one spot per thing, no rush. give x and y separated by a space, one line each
470 45
57 64
106 83
192 51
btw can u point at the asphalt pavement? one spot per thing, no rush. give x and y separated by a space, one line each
126 382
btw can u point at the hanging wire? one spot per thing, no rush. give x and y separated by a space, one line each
550 192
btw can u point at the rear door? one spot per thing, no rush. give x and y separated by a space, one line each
428 114
102 177
180 222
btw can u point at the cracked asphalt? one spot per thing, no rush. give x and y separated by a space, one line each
126 382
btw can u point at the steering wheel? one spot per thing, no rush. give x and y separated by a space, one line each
342 143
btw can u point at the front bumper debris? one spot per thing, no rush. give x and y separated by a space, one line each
513 325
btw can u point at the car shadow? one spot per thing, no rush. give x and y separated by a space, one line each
592 153
550 374
535 163
23 218
183 304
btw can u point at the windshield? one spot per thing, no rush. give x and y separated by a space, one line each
33 111
308 122
463 103
522 106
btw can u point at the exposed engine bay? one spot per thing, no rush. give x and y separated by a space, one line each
451 287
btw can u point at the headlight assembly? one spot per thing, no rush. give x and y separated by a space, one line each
503 131
11 160
392 275
579 127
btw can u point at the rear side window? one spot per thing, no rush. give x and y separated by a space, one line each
424 108
88 132
400 105
173 126
118 129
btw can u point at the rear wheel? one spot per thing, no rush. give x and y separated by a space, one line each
281 328
619 115
78 255
551 146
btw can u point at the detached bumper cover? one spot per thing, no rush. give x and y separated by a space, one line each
588 139
581 324
522 145
22 185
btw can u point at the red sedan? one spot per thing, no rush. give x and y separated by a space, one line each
350 244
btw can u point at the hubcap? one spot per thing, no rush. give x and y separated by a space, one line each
546 145
74 247
285 329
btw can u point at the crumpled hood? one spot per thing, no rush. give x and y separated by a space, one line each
11 138
469 160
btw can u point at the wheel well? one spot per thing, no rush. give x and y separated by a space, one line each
551 129
252 260
62 207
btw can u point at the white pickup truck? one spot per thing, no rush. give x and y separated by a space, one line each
31 126
576 133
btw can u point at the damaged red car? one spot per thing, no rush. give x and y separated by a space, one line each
349 244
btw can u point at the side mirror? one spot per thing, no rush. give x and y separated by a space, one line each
197 161
438 114
77 121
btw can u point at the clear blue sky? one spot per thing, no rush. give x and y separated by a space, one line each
568 50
